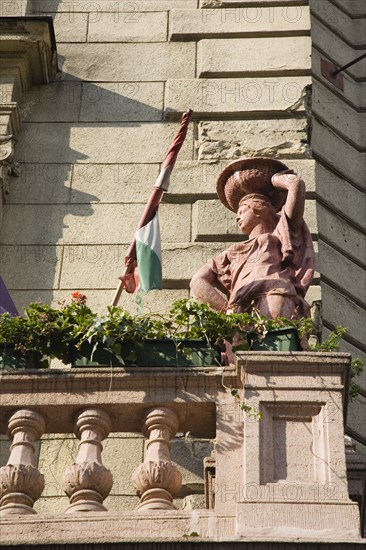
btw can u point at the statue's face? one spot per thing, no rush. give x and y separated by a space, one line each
246 219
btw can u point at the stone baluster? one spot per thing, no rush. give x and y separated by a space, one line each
157 480
88 482
21 483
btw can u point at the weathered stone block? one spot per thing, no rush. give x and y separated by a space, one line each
344 236
244 22
45 224
120 101
4 449
129 26
122 454
237 57
355 352
11 8
338 51
40 183
351 30
103 143
70 26
337 308
56 453
113 183
342 272
56 102
352 7
114 6
313 294
337 114
117 62
238 96
181 262
100 266
30 267
354 92
188 455
356 415
341 195
232 140
204 212
327 145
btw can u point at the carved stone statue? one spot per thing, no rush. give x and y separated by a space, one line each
271 270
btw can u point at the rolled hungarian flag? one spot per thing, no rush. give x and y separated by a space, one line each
148 255
143 259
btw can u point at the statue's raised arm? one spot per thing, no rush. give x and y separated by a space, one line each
295 200
274 267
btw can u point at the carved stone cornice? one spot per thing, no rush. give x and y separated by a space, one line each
28 57
28 44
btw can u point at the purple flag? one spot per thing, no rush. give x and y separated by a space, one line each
6 303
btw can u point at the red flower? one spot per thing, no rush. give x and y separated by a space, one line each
79 298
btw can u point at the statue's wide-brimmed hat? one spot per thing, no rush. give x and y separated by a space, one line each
250 175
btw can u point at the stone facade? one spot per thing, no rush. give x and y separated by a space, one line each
91 144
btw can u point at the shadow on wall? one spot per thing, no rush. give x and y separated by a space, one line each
71 130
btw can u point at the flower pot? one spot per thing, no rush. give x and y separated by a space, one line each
14 359
149 353
282 339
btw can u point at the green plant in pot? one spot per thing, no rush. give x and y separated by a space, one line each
190 334
42 333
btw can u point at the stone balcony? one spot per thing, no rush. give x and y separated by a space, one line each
281 477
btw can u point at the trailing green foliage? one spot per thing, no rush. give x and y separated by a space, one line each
50 331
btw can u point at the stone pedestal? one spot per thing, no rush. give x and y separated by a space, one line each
294 472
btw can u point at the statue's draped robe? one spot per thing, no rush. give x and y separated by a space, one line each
279 263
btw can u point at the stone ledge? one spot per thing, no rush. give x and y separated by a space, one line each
261 519
210 527
250 3
241 23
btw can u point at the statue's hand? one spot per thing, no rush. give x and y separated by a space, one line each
282 180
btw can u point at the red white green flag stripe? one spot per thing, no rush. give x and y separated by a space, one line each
148 255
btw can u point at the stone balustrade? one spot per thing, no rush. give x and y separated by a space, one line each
278 468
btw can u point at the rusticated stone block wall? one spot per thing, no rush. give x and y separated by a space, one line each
339 147
92 144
